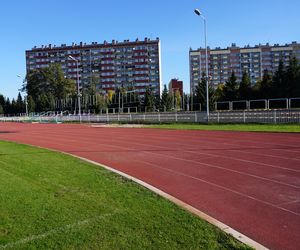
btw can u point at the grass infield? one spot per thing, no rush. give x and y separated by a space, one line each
288 128
52 201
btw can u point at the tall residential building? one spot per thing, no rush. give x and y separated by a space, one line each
111 65
253 60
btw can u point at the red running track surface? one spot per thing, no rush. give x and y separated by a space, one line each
249 181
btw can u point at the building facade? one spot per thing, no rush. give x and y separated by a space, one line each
175 85
112 65
253 60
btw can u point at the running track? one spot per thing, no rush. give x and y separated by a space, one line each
249 181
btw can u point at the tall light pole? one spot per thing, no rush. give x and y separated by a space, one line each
78 91
198 13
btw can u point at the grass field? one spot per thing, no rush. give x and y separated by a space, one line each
53 201
291 128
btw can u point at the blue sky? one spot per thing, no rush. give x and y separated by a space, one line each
27 23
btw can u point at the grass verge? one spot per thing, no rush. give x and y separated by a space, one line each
287 128
53 201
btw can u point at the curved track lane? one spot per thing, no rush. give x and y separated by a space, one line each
249 181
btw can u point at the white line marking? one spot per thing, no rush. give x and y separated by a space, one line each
53 231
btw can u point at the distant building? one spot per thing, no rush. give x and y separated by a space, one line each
175 85
113 65
253 60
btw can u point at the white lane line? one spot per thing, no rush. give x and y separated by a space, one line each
53 231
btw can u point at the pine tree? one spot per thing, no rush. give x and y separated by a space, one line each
31 104
293 78
231 88
19 104
245 87
166 100
265 86
279 89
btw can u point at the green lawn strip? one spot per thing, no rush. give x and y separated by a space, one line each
291 128
50 200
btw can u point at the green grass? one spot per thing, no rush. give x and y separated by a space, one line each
233 127
52 201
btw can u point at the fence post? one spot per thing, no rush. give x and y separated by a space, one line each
159 117
218 117
274 116
118 117
244 116
287 103
195 116
176 118
107 117
230 106
248 105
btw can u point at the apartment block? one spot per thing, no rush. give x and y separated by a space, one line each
111 64
253 60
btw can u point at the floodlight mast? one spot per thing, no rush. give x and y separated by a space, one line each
78 91
198 13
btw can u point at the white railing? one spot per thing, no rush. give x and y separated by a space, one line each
246 116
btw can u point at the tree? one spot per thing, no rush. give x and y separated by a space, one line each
48 81
100 103
149 100
19 104
263 88
201 94
1 110
244 91
231 88
166 100
177 97
31 104
279 89
293 78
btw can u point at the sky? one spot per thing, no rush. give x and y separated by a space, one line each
26 23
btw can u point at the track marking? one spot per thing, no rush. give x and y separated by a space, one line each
53 231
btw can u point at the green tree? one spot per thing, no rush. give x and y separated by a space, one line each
177 97
149 100
100 103
279 81
231 88
293 78
19 104
31 104
1 110
244 92
166 100
48 81
201 94
263 88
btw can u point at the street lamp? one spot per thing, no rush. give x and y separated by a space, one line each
78 91
198 13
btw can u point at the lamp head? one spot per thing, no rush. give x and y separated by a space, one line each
197 12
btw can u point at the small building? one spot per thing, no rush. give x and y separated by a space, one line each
175 85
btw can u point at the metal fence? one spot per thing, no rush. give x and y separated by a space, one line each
267 104
246 116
